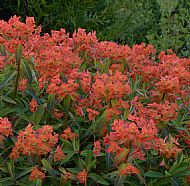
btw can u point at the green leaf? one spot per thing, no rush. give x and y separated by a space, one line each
181 174
121 157
68 157
8 99
120 181
6 80
10 166
25 117
2 50
178 170
153 174
84 153
3 180
38 114
6 111
179 157
51 102
177 163
18 53
23 173
98 179
76 143
33 94
80 163
27 71
108 158
95 125
73 170
4 170
49 168
88 160
38 182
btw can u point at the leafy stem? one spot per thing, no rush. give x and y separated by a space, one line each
18 58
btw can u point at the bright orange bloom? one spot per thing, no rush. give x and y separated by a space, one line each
2 63
82 176
92 114
57 113
97 148
68 134
5 127
34 142
36 174
59 154
128 169
67 176
33 105
22 85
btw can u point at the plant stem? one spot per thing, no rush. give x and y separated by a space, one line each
17 79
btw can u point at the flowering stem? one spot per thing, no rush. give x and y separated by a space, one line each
18 57
17 79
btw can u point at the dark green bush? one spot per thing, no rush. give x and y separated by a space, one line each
174 27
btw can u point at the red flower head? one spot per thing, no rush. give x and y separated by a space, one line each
92 114
36 174
82 176
97 148
5 127
59 154
128 169
22 85
68 134
33 105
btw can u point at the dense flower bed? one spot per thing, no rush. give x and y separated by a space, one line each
77 111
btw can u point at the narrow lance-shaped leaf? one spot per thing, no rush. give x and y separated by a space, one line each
98 179
49 168
153 174
38 114
27 71
3 52
33 94
8 99
18 53
8 78
23 173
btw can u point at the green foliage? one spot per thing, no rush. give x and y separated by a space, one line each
174 27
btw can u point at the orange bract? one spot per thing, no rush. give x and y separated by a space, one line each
5 127
82 176
36 174
59 154
68 134
34 142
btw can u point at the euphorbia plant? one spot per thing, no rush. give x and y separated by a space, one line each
75 110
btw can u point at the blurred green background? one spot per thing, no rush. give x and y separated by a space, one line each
163 23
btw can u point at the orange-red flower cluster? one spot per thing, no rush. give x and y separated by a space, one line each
128 169
82 176
5 127
22 85
68 134
33 105
59 154
36 174
34 142
97 148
